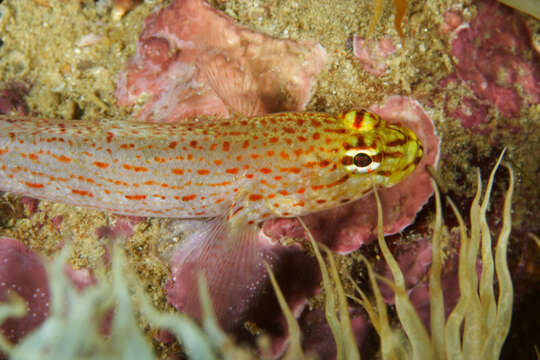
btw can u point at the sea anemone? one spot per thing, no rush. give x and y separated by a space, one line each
485 320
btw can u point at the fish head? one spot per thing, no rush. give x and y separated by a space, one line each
376 152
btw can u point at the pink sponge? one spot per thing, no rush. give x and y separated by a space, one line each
194 60
21 271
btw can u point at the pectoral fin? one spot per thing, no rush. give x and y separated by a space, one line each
231 260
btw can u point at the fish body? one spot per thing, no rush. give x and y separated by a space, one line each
279 165
237 172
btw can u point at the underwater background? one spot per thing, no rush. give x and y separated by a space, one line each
471 68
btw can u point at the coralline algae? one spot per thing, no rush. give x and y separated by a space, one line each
193 60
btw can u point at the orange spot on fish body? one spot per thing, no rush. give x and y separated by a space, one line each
135 168
273 140
335 131
172 144
289 130
101 165
266 171
293 170
82 192
34 185
218 162
178 171
226 146
324 163
232 171
189 197
255 197
135 197
62 158
34 158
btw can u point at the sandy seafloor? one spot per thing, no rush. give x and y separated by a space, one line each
42 43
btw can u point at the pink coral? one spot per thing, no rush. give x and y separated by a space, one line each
452 20
317 337
22 271
248 288
122 227
12 97
192 60
348 227
372 53
494 58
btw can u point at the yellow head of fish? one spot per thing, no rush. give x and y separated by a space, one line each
370 152
386 152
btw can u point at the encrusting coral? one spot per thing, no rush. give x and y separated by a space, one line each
192 59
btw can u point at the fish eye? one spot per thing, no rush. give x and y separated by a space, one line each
361 161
